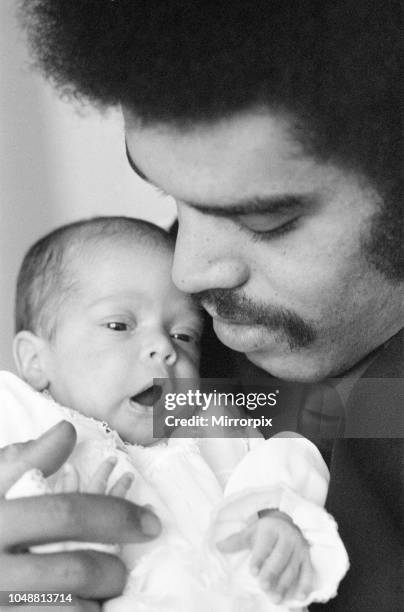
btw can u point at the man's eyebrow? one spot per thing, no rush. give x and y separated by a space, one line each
274 204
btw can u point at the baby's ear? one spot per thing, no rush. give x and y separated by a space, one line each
30 358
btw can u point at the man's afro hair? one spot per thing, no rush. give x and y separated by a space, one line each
179 60
332 63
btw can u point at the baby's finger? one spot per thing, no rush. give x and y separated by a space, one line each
99 481
305 579
275 565
236 542
264 543
122 485
69 481
288 580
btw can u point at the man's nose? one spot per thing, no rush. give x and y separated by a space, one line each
206 253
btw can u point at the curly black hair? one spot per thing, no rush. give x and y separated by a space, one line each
335 64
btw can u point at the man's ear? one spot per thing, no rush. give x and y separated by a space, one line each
30 355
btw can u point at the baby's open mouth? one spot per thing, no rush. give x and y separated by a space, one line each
149 396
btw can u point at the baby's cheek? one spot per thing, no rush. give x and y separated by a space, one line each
188 367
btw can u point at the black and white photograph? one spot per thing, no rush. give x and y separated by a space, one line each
202 306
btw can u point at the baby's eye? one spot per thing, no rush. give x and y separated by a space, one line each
183 337
117 326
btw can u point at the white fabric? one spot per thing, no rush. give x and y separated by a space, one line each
203 491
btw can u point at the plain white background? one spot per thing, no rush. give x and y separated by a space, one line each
58 163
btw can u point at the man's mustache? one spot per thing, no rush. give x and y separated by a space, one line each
238 308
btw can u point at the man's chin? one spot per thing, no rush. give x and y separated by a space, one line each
291 365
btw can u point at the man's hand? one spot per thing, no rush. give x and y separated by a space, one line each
25 522
279 555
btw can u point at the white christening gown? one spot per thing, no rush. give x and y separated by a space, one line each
203 491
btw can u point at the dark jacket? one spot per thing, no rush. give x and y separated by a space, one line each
367 487
366 477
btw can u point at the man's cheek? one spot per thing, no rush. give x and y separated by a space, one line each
303 292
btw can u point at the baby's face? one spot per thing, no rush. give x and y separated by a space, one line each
125 324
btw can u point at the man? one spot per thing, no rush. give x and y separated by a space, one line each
275 125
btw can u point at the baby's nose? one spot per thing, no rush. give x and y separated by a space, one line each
162 349
169 357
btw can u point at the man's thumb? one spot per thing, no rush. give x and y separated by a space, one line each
47 453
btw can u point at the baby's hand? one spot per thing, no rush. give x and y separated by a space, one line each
279 555
70 481
100 480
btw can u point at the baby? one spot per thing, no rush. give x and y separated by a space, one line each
97 319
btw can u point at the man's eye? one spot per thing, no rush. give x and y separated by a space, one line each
263 228
117 326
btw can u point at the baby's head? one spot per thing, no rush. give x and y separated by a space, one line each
98 317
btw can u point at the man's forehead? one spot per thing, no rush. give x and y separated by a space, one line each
276 204
250 127
241 160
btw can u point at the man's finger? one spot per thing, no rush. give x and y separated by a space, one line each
85 573
77 605
47 453
80 605
81 517
83 605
